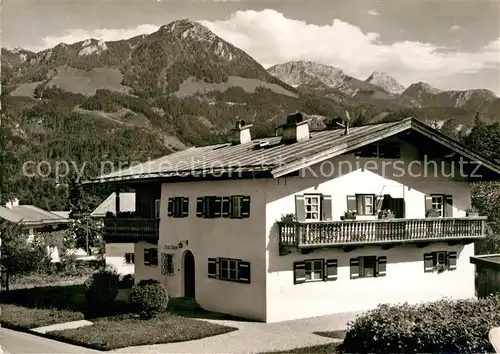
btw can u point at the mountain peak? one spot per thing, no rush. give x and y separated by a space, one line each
301 72
189 29
385 81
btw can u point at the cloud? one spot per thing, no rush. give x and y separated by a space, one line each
373 12
271 38
455 28
107 34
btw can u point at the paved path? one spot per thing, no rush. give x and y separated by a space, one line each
19 343
62 326
256 337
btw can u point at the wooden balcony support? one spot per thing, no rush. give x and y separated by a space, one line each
351 233
131 229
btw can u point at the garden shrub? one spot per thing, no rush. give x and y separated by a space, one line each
149 298
127 281
100 292
444 326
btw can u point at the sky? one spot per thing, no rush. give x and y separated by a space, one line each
448 44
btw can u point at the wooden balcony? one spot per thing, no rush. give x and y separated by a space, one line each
131 229
305 235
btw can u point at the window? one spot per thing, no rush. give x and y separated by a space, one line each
167 264
387 150
151 257
312 205
178 207
440 261
229 269
437 204
129 258
363 204
315 270
234 207
157 208
368 267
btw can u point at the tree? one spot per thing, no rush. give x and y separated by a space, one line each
19 255
85 229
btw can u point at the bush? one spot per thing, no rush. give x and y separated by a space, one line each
149 298
100 292
440 327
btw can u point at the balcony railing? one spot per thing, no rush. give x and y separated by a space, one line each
362 232
130 229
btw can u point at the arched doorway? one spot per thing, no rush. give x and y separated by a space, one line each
189 272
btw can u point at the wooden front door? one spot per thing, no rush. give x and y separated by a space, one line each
189 273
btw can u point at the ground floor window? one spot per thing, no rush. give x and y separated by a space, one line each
151 257
440 261
129 258
229 269
368 267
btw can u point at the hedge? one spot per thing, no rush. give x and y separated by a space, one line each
444 326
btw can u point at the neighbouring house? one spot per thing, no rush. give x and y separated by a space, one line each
37 221
119 255
307 223
487 274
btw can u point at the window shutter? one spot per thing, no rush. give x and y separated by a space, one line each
299 272
163 264
381 266
351 203
300 209
217 203
212 268
147 258
326 207
428 204
245 207
199 207
354 265
185 207
428 262
330 270
244 272
452 260
170 206
378 203
226 207
448 212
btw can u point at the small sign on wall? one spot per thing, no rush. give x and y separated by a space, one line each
171 247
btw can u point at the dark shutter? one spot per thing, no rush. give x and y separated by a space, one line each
245 207
326 207
185 207
351 203
170 206
217 207
147 258
300 209
354 265
331 269
452 260
448 212
244 272
399 207
226 207
428 262
199 207
378 204
212 268
428 204
299 272
154 256
381 266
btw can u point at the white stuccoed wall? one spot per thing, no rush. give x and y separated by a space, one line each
115 257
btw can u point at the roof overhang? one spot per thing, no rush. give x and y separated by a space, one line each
491 261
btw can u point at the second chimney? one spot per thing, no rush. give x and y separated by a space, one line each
241 134
296 129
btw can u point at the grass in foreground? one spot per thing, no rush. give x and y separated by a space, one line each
331 348
127 330
18 317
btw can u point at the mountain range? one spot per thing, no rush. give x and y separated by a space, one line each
183 85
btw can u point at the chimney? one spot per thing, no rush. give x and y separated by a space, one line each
296 129
241 134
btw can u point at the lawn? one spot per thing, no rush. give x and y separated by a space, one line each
330 348
127 330
25 309
18 317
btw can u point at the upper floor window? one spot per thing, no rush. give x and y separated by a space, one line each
234 207
364 204
438 205
312 205
387 150
178 207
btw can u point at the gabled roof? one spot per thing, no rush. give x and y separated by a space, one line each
274 159
31 215
127 204
62 214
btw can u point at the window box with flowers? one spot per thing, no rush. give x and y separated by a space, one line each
349 215
288 218
472 212
386 214
432 213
